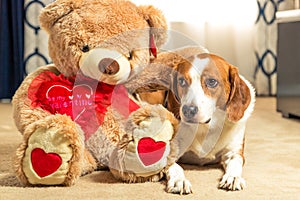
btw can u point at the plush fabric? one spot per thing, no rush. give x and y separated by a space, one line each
75 112
44 163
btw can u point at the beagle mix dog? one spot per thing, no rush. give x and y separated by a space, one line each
208 92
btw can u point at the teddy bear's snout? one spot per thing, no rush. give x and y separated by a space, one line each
105 65
108 66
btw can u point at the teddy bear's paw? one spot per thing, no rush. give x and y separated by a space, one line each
151 130
153 121
53 152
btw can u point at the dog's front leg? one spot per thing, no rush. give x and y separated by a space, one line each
232 179
177 183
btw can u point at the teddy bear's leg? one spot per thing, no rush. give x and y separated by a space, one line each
52 153
89 163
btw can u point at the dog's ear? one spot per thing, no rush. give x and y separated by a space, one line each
173 83
239 97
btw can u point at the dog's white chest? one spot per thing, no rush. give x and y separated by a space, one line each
212 139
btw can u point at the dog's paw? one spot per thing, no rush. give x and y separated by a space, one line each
233 183
179 186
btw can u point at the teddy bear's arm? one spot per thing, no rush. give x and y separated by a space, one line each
23 112
154 77
158 74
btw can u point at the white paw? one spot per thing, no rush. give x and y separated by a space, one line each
229 182
179 186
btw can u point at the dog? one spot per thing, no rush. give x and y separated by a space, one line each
207 91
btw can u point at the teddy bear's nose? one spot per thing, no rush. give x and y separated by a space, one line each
108 66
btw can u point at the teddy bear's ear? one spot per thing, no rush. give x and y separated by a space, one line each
157 23
56 10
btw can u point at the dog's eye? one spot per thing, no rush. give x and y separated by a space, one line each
182 82
85 48
211 83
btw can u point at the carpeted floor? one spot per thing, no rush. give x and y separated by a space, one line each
272 168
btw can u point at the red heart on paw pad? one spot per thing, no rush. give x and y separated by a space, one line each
44 163
150 151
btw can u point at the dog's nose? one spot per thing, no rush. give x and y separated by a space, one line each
189 111
108 66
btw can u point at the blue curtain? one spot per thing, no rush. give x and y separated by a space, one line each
11 46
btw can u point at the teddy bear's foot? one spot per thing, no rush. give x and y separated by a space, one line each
52 152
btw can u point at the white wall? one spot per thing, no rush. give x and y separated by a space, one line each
224 27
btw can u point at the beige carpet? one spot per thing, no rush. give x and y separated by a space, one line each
272 169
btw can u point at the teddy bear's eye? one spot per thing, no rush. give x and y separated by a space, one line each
130 55
85 48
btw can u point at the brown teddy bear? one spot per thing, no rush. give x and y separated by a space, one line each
76 115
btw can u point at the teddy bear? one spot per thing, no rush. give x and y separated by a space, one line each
76 114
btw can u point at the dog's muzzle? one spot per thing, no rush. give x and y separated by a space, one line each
190 114
189 111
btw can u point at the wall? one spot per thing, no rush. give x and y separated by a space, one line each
223 27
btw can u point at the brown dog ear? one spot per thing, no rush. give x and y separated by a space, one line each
56 10
157 23
239 98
